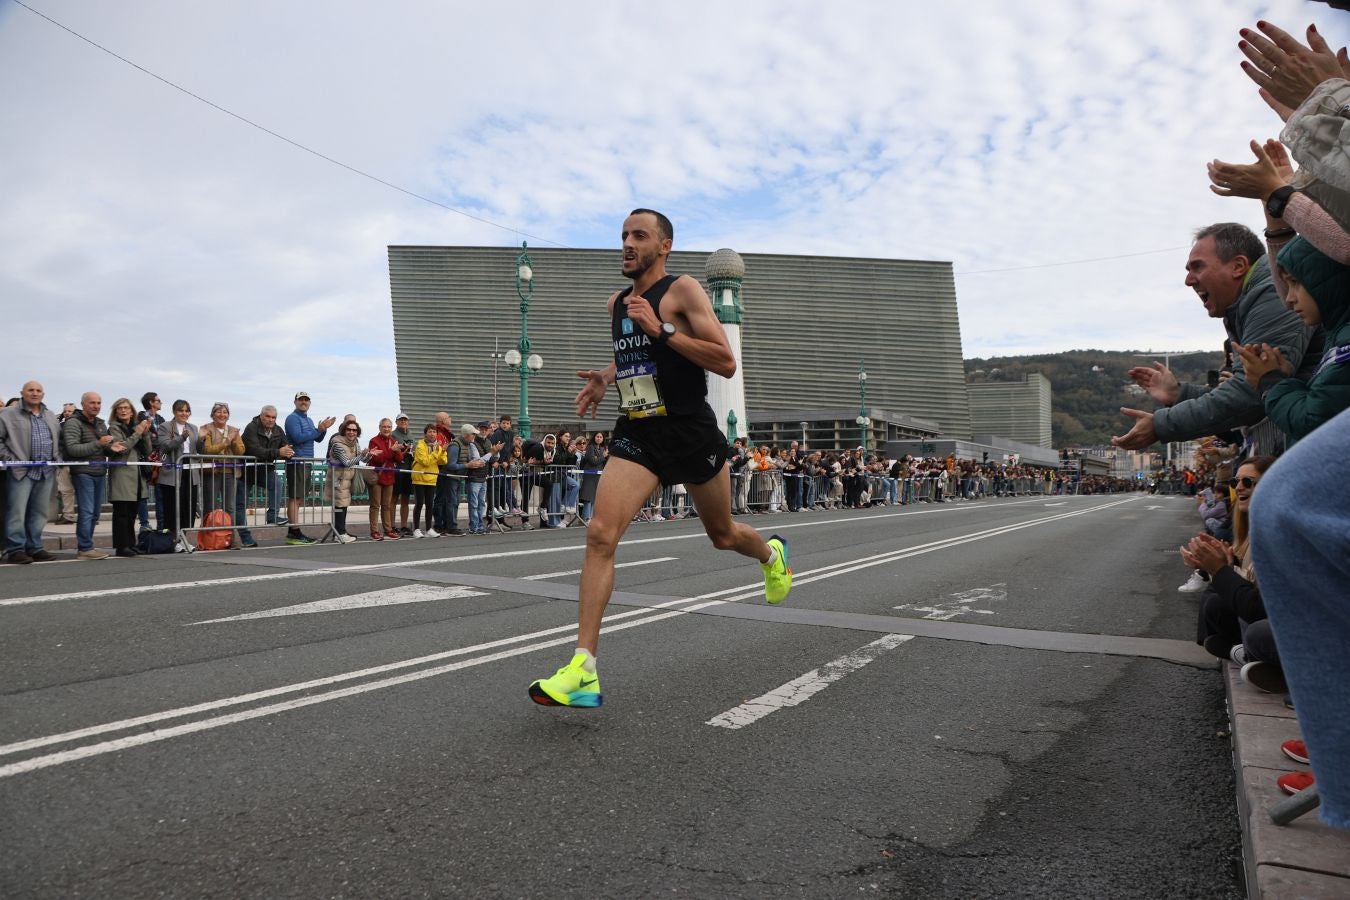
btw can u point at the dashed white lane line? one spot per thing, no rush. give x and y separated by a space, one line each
799 690
640 562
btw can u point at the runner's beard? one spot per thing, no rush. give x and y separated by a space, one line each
643 263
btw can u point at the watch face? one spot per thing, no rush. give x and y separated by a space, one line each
668 328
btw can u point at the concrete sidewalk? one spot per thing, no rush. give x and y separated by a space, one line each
56 538
1305 858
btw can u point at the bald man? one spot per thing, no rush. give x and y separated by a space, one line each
29 432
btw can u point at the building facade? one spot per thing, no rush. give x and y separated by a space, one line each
807 322
1017 410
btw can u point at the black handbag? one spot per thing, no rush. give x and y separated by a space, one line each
154 541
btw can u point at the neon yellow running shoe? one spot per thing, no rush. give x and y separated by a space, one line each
778 577
570 686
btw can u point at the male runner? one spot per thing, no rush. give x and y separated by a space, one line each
666 339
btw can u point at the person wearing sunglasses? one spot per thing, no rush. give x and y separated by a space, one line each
1233 623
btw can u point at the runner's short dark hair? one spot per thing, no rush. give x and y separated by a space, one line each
662 223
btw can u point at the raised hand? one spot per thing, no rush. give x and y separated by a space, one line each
1159 381
1285 70
1259 359
1256 180
1141 434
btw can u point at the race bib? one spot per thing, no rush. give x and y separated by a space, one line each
639 393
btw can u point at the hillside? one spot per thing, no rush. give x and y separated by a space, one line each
1089 386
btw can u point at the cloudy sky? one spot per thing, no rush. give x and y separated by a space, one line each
153 241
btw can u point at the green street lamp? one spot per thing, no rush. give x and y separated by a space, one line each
519 358
864 423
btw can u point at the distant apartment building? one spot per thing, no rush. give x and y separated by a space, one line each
1018 410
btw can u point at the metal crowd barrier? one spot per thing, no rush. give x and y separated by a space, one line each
217 481
244 487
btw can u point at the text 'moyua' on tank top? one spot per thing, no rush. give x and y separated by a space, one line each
652 379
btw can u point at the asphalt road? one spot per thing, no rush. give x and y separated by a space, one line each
1051 731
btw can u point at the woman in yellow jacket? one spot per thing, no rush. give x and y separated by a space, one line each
428 457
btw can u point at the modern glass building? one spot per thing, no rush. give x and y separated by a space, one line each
808 323
1019 410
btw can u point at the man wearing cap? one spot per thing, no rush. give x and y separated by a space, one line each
302 433
403 478
471 458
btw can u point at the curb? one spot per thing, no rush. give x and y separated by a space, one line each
1305 858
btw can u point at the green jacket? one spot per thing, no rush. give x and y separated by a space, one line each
1298 406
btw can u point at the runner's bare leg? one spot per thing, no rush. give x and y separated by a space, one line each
618 497
712 500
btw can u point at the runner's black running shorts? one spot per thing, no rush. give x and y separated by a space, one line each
678 449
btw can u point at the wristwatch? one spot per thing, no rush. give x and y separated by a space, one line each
1278 199
666 333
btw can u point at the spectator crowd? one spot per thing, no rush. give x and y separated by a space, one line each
205 478
1270 562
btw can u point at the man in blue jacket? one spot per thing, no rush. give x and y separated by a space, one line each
302 434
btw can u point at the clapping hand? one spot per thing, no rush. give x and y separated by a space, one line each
1286 71
1211 553
1159 381
1261 359
1141 435
1271 171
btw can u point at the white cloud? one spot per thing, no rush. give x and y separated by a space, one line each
153 241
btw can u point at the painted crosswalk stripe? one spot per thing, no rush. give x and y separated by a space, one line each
800 690
410 593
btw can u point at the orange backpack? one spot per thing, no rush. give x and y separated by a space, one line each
220 538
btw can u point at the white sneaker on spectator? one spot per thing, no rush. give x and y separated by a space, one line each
431 532
417 533
1238 655
1195 584
346 539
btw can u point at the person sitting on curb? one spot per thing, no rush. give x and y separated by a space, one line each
1233 623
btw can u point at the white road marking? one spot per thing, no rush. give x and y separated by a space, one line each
408 593
640 562
801 689
310 573
728 595
1060 503
959 605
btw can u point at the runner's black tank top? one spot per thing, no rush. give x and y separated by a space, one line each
683 385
